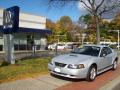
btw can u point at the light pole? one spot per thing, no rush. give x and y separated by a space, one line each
118 31
118 38
83 37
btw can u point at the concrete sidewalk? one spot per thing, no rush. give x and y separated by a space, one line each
42 83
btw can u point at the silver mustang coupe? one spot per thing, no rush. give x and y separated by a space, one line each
86 62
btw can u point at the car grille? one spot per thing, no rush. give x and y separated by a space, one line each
60 64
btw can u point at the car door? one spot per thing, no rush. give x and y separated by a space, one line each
109 56
103 59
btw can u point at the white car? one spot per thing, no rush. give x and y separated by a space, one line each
61 47
52 46
86 62
118 47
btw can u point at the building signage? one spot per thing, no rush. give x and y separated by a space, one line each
11 20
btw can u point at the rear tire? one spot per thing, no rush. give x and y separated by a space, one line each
91 74
114 65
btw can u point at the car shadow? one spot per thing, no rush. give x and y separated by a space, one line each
67 79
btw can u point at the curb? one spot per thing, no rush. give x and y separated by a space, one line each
112 85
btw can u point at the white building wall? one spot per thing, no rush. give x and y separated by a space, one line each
28 20
1 16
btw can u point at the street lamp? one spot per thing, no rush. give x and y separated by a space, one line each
118 31
83 37
118 38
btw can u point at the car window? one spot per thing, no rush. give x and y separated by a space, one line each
105 51
109 51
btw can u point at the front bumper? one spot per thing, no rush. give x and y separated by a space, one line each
69 73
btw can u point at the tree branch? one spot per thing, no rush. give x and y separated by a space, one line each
100 5
108 9
85 4
90 2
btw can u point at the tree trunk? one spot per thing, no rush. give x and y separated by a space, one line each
97 31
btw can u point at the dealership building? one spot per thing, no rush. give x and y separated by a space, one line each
32 32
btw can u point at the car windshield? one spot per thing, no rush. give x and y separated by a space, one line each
87 50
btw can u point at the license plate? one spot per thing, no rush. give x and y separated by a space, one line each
57 70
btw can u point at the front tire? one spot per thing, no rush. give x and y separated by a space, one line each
91 74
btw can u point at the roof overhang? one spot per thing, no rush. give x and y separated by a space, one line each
31 30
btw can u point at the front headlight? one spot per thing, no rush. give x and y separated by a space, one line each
76 66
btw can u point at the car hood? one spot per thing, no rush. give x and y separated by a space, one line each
72 58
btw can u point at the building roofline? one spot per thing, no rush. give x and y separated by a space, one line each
27 13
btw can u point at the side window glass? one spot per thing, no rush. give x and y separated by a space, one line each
109 51
103 52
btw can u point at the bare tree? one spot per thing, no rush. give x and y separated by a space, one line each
97 8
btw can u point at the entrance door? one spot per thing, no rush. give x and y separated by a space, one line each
30 42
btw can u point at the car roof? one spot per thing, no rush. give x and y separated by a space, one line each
97 45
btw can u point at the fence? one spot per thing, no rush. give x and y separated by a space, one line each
19 55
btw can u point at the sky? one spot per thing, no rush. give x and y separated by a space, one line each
40 7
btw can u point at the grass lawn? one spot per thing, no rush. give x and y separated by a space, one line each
24 69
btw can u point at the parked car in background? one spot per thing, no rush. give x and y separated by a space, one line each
118 46
69 46
52 46
86 62
61 47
